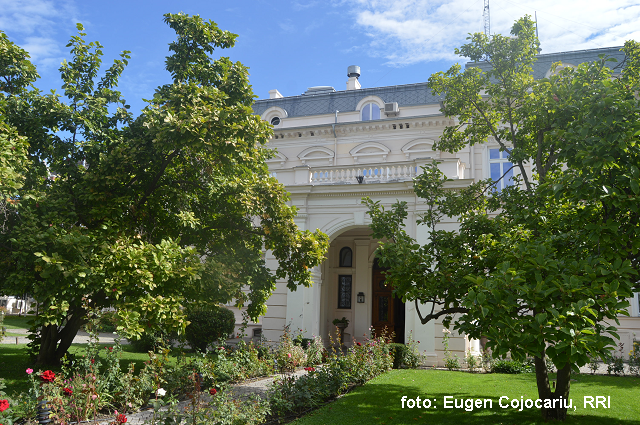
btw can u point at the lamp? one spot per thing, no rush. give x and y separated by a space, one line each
360 297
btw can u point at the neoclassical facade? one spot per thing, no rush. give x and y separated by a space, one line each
335 147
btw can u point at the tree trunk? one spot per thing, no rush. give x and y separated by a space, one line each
554 403
51 352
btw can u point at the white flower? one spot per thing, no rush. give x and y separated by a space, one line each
161 392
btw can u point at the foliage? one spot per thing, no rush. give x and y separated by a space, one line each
344 321
511 366
634 359
472 360
240 363
405 355
539 267
288 355
451 361
171 208
207 325
315 352
615 361
289 396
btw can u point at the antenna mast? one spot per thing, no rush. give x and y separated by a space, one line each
487 20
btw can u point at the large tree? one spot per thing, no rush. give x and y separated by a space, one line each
542 268
149 214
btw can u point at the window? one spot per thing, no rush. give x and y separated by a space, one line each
370 111
344 291
346 257
275 121
499 166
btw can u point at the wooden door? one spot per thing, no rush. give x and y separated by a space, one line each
387 311
383 320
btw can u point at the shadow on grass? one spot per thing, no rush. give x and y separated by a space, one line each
380 402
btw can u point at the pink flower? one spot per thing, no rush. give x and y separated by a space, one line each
94 396
29 371
289 355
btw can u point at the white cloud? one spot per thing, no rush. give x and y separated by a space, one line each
410 31
35 26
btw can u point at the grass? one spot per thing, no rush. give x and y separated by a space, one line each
16 322
14 361
379 401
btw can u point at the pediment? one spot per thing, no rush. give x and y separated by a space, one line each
369 151
317 155
419 148
278 158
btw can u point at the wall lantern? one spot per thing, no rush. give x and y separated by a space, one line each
360 297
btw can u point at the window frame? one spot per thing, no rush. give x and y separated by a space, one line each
501 160
340 290
345 249
369 107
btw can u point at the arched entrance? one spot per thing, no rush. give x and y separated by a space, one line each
388 312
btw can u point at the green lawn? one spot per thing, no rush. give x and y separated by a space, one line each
16 322
379 401
14 362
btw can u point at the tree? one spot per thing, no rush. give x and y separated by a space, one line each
542 267
171 208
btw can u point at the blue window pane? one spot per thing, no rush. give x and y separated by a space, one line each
508 178
494 153
366 113
375 112
496 173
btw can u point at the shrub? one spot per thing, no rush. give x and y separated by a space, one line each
512 366
315 352
208 325
397 352
151 341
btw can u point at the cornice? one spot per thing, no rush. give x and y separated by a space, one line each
345 129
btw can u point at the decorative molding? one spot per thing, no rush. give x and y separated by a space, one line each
278 158
370 99
316 154
419 146
370 150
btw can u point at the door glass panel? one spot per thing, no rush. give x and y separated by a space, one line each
383 309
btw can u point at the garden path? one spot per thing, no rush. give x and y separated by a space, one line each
81 337
241 390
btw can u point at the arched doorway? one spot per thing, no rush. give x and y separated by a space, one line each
388 311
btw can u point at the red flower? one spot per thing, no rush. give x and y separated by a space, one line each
121 418
67 391
358 344
109 348
47 376
310 369
4 405
93 361
213 391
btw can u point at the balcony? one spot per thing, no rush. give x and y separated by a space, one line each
384 172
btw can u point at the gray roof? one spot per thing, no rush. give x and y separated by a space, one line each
576 57
345 101
412 94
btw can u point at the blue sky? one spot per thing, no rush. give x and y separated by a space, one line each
292 45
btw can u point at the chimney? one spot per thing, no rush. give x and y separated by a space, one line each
353 72
274 94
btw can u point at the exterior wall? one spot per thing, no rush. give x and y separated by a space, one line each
322 146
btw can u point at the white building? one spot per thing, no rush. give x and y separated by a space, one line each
325 140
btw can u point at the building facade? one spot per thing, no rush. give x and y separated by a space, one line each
335 147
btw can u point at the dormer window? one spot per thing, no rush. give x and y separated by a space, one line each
370 111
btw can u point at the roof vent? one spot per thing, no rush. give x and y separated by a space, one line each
319 90
353 71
